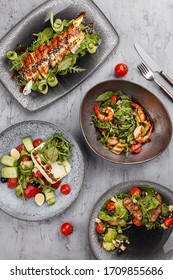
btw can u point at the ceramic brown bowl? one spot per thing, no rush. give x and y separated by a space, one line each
160 137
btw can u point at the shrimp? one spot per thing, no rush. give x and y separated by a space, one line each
140 113
112 141
108 110
146 137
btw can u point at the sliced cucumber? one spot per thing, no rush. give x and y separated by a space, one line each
9 172
28 143
27 164
7 160
50 196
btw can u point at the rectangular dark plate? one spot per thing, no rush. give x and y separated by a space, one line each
35 22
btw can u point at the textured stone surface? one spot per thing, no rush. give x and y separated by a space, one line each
151 25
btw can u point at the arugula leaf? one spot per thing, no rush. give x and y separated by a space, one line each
45 35
108 94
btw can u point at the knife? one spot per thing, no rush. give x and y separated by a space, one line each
152 64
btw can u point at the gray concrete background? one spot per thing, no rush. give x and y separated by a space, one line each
148 22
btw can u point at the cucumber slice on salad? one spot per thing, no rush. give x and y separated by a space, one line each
50 196
28 143
9 172
8 160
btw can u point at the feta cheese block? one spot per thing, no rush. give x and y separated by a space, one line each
52 172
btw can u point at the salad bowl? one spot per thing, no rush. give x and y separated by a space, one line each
35 22
155 110
144 244
28 210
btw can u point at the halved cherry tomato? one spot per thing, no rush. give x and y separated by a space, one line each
20 148
114 98
66 229
12 182
135 191
38 174
100 227
56 185
136 148
102 129
168 222
65 189
137 222
25 158
37 142
121 70
96 109
31 191
111 206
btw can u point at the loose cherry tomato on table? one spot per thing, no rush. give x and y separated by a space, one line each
66 229
135 191
65 189
111 206
56 185
137 222
100 227
12 182
31 191
20 148
136 148
121 69
38 174
37 142
168 222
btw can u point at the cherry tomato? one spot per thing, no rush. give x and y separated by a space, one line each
46 182
25 158
65 189
102 129
12 182
121 70
66 229
135 191
114 98
168 222
137 222
136 148
56 185
37 142
31 191
100 227
20 148
111 206
38 174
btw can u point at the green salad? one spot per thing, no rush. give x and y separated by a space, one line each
122 124
54 51
141 206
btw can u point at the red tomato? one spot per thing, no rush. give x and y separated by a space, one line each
121 70
102 129
111 206
56 185
168 222
31 191
46 182
100 227
20 148
66 229
96 109
135 191
38 174
65 189
25 158
114 98
12 182
136 148
137 222
37 142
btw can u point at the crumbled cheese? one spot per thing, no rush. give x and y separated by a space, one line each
122 247
163 226
113 199
97 220
170 208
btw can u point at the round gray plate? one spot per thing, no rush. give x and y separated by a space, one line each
144 244
29 210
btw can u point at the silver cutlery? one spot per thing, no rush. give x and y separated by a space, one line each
148 74
149 61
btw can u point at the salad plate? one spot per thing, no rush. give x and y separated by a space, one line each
144 244
155 110
28 210
38 20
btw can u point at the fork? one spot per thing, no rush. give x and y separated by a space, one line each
148 74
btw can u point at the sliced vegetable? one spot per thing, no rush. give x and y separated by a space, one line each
28 143
8 160
9 172
100 227
12 182
135 191
31 191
